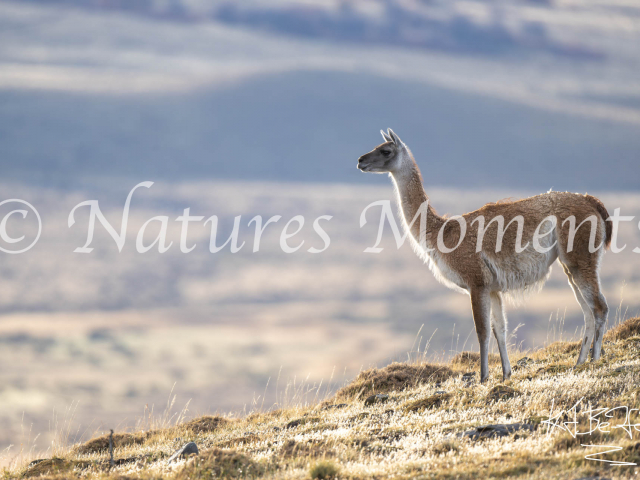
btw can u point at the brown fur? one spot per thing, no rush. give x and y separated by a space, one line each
604 214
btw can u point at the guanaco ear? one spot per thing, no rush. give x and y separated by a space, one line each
386 137
394 138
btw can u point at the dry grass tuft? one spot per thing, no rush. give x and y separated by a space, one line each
52 466
206 424
101 443
566 441
200 425
631 454
446 447
395 377
311 449
237 441
502 392
626 329
631 398
433 401
562 348
324 470
219 463
555 369
472 359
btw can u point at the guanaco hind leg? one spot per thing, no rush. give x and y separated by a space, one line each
499 327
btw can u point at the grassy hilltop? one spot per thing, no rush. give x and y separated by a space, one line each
405 421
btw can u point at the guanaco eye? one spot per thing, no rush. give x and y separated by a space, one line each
386 153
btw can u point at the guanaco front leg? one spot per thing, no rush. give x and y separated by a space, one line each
481 307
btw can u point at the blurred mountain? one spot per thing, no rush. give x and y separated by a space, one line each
525 94
307 126
485 27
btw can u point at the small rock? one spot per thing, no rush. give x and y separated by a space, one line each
537 419
427 403
499 430
391 436
339 405
293 424
276 429
468 378
524 361
361 416
440 392
502 392
552 370
379 398
189 449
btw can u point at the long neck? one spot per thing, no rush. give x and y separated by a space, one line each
413 200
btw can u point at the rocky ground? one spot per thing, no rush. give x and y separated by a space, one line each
420 420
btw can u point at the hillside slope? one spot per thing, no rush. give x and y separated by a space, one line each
407 421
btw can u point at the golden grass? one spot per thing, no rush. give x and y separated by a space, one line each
432 401
624 330
395 377
418 431
206 424
502 392
324 470
218 463
50 467
472 359
101 443
563 348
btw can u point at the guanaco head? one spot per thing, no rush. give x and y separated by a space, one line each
386 157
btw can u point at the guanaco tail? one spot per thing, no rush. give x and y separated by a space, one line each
503 249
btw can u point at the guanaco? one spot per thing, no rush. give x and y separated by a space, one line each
503 249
